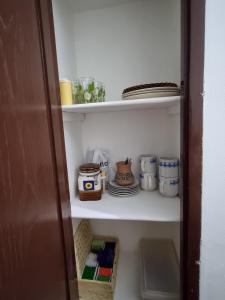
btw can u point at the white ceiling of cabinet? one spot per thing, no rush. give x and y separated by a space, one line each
82 5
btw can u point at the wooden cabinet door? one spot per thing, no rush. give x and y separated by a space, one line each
36 242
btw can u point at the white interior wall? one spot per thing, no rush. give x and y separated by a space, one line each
212 275
174 124
132 133
127 44
131 232
84 5
63 23
74 148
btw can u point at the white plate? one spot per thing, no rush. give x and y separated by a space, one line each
152 90
120 192
113 184
151 95
123 191
123 188
124 194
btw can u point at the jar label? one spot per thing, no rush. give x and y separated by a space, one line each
89 183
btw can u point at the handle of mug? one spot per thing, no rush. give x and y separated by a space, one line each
162 183
150 181
143 163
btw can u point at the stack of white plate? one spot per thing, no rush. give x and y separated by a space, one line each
123 191
153 92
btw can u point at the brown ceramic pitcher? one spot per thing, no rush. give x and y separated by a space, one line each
124 175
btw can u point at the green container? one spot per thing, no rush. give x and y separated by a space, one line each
88 90
89 273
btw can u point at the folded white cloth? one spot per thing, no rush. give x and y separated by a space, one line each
91 260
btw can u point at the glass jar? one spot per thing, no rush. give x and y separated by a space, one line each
99 91
87 90
89 182
75 91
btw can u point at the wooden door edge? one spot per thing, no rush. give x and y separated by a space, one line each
47 37
193 32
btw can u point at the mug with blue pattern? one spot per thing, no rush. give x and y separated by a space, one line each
168 187
148 163
148 181
168 167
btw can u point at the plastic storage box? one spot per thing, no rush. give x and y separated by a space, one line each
159 270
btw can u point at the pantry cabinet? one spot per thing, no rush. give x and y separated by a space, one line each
141 46
121 43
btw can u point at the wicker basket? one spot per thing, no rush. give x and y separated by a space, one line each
92 289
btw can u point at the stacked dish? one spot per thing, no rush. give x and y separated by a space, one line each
123 191
152 90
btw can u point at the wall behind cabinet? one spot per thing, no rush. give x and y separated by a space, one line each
121 44
74 149
132 133
128 44
63 22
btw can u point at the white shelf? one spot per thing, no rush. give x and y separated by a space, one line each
108 106
128 279
146 206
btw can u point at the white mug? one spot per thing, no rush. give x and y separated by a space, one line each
148 181
148 163
168 186
168 167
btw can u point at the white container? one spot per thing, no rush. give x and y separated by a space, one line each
169 187
168 167
148 181
148 163
159 270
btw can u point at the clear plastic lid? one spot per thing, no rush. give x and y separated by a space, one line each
159 270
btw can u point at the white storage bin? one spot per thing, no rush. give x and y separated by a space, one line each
159 270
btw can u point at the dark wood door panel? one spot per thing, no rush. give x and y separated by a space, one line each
193 31
52 79
32 256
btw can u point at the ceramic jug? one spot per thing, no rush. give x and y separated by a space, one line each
124 175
